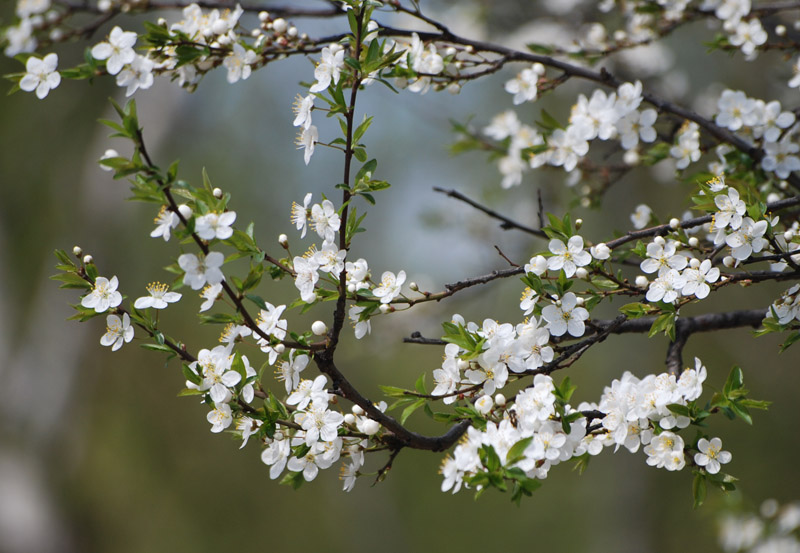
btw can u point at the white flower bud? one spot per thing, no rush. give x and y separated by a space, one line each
357 411
319 328
280 348
600 251
579 300
370 427
278 435
450 51
641 281
694 242
586 202
483 405
52 16
659 240
783 185
217 193
694 263
413 286
578 224
788 235
77 251
255 33
88 259
674 223
463 365
349 418
161 22
351 288
728 261
263 16
185 211
780 30
620 35
500 400
454 88
631 157
581 273
773 197
56 35
279 26
292 32
384 308
104 5
283 240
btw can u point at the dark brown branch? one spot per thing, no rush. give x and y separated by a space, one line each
505 224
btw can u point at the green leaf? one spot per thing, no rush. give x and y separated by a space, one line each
517 451
410 409
734 382
635 310
420 385
158 347
71 280
190 375
664 323
698 489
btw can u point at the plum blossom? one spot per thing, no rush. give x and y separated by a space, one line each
300 215
210 294
103 296
307 140
711 455
117 50
159 297
215 225
165 221
641 216
306 278
289 371
780 157
302 109
568 257
361 328
325 220
41 75
200 271
698 277
666 287
389 287
748 239
524 85
118 331
220 417
567 317
329 67
137 74
239 63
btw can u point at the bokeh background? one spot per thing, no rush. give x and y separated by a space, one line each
96 452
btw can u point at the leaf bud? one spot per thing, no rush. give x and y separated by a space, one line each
319 328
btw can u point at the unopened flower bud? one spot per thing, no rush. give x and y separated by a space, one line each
104 5
351 288
659 240
349 418
788 235
450 51
370 427
462 365
292 32
500 400
384 308
357 410
674 223
161 22
579 300
88 259
780 30
631 157
413 286
280 348
279 26
77 251
728 261
773 197
578 224
185 211
694 263
694 242
217 193
283 240
641 281
56 35
600 251
620 35
278 435
581 273
454 88
263 16
319 328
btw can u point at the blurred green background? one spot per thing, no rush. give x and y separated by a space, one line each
96 452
